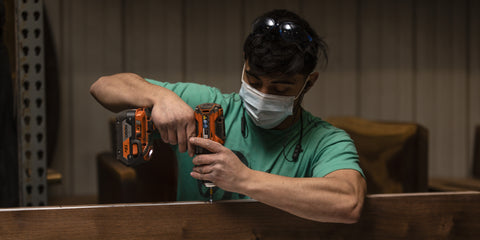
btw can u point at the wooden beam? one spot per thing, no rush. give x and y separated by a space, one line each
385 216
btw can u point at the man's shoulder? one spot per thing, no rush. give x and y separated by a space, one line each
322 130
318 124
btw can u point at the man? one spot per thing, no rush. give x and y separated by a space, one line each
275 151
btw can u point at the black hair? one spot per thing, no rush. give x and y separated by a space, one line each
269 55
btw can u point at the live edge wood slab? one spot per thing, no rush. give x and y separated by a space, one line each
453 215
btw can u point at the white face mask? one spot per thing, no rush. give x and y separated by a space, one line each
266 110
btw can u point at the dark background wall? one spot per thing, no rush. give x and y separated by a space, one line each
8 139
398 60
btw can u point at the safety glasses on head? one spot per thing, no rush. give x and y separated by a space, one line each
289 31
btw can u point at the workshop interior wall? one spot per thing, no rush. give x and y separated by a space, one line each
397 60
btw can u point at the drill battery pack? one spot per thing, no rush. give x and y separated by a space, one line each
210 124
134 143
135 131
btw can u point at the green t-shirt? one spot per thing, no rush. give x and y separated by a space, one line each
325 148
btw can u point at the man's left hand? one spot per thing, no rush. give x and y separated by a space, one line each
222 167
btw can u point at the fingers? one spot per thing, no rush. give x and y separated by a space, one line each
201 176
204 168
184 132
208 144
163 133
176 128
222 167
182 140
168 134
203 159
172 136
190 133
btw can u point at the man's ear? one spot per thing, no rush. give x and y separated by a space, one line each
312 79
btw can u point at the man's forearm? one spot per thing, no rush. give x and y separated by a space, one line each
128 90
328 199
124 90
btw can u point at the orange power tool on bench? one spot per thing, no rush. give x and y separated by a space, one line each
135 132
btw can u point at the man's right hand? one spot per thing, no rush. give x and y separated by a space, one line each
175 121
171 115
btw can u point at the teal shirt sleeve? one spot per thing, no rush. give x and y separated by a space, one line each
192 93
338 152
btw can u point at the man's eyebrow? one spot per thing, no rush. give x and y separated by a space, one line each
284 81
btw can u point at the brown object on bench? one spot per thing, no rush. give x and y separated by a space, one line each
453 184
393 155
154 181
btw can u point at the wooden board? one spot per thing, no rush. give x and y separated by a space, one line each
394 216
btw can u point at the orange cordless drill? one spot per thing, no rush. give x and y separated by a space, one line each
135 132
134 142
209 124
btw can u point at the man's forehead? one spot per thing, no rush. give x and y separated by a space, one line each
276 77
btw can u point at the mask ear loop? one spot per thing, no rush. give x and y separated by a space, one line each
304 85
244 125
298 148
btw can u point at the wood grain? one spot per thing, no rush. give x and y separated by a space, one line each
393 216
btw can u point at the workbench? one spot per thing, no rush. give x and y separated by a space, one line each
445 215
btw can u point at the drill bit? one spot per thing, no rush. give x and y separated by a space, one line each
211 195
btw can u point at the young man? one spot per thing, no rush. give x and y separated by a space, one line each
275 151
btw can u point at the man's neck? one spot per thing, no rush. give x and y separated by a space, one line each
290 120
